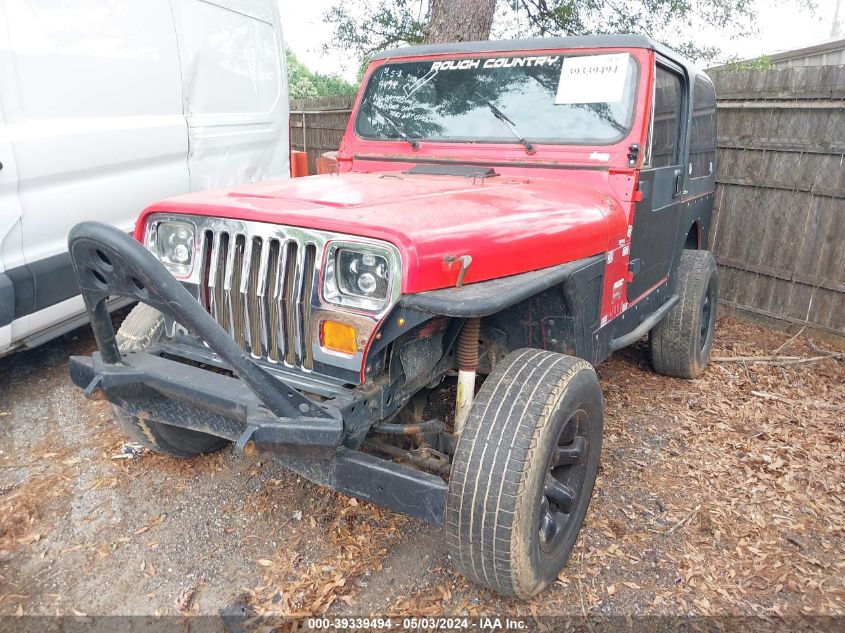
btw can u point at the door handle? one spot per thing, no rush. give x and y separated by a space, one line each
679 183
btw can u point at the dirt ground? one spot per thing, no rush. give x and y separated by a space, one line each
723 495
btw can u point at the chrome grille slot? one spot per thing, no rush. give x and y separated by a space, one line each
272 297
205 288
254 271
217 280
235 282
289 299
307 292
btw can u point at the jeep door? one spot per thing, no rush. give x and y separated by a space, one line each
656 216
697 209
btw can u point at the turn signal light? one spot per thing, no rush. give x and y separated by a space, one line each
338 337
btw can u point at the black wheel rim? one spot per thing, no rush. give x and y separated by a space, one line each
706 316
564 484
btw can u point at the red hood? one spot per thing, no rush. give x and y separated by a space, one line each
508 225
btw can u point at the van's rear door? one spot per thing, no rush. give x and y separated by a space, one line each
93 102
235 88
11 257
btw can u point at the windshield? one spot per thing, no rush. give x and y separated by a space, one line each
566 99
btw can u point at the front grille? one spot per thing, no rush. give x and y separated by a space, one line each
260 289
260 282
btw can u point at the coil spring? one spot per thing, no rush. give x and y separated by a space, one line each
468 344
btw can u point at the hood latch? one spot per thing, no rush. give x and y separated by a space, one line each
465 260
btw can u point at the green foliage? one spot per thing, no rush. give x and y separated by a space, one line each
365 26
303 82
764 62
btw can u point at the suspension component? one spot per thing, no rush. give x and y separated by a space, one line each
429 426
467 366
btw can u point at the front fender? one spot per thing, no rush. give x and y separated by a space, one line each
488 297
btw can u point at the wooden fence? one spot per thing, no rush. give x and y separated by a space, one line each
317 124
779 223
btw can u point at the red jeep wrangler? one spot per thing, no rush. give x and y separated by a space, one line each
514 209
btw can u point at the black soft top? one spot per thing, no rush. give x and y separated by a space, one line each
540 43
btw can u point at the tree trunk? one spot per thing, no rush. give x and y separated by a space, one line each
459 20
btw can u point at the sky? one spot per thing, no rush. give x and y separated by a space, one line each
780 25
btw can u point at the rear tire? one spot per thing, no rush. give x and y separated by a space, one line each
680 344
142 328
523 471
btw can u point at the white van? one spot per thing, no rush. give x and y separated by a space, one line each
107 106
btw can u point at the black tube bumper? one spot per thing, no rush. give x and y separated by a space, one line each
256 407
167 391
154 388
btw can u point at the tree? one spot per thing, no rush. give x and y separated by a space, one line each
459 20
303 82
363 27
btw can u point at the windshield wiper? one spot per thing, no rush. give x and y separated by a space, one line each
402 133
529 147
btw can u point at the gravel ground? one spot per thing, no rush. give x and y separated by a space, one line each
724 495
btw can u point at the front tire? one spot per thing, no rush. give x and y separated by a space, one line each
680 344
143 327
524 470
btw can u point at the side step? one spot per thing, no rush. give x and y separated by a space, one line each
643 328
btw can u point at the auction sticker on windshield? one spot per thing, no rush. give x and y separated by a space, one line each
592 79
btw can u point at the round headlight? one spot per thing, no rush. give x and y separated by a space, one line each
173 244
358 278
367 283
181 254
359 274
